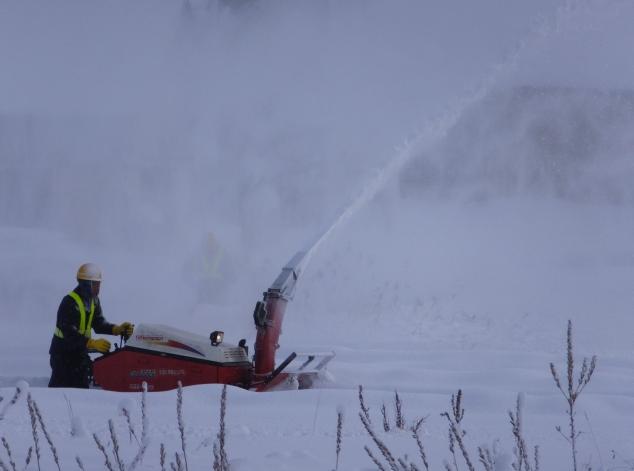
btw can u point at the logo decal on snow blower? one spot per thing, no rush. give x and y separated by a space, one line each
147 373
160 340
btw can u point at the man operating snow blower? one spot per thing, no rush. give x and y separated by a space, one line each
79 313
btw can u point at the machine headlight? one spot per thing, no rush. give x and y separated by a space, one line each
216 337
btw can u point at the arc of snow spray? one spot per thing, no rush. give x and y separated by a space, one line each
436 128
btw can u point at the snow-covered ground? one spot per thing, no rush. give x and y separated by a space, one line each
129 132
290 429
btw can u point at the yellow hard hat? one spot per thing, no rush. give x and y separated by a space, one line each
89 272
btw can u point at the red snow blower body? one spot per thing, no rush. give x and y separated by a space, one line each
162 356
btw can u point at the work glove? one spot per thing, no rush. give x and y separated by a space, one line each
99 345
124 329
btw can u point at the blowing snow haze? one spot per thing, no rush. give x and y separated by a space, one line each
129 131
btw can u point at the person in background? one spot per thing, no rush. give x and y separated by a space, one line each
78 314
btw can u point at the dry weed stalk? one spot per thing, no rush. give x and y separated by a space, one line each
522 460
79 463
181 423
386 421
573 390
364 410
103 451
536 457
339 430
216 464
486 458
5 443
221 462
29 455
46 435
374 459
398 406
19 389
128 419
36 438
179 463
115 445
145 426
455 430
385 451
223 432
394 464
416 435
452 450
162 457
407 466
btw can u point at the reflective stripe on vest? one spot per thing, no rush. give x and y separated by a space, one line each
85 329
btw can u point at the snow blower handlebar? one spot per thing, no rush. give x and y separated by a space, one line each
269 315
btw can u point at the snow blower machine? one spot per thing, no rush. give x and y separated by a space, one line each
163 356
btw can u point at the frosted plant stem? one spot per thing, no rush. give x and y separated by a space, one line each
364 410
521 449
455 431
115 445
421 449
36 438
216 465
385 451
46 435
144 429
486 458
339 430
222 432
162 457
373 458
398 406
221 462
5 443
103 451
18 392
573 390
386 421
181 423
126 414
29 455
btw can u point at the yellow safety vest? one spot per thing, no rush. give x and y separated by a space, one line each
85 329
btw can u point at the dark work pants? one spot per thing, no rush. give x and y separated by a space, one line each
70 370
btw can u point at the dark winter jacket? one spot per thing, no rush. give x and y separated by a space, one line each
68 317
